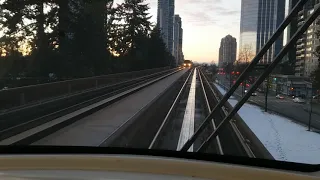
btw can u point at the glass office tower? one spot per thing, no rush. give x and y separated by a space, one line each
259 20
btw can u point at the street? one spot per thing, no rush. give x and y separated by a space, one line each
285 107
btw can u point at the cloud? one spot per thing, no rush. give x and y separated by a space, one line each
203 12
199 18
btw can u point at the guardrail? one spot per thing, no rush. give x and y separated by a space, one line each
17 97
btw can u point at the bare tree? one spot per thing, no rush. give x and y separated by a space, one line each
246 54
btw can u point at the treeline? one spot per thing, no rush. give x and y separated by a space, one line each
63 39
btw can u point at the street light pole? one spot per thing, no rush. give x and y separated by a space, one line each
310 112
266 95
230 81
242 90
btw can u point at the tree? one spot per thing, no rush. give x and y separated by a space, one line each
213 68
24 24
246 54
158 55
240 66
79 38
132 24
228 67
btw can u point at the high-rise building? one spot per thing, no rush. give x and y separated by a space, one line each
306 61
165 21
291 30
227 50
220 63
181 56
177 38
259 20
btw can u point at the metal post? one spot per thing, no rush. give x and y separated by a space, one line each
230 81
266 95
242 87
310 111
255 61
277 60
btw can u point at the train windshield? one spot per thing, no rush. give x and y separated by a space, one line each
155 75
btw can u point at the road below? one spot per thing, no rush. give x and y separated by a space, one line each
285 107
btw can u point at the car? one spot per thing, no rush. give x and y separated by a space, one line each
279 96
298 100
253 94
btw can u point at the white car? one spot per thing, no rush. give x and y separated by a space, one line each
298 100
253 94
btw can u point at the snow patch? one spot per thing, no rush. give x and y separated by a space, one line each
284 139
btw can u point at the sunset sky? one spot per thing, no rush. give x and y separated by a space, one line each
204 23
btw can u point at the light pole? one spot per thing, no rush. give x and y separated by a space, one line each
230 81
310 112
266 96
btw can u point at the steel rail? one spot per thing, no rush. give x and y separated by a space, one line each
234 127
168 116
209 110
42 130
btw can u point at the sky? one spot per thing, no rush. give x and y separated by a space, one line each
204 23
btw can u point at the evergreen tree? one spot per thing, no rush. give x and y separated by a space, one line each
137 22
77 38
158 55
129 34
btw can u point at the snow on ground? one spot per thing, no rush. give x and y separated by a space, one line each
284 139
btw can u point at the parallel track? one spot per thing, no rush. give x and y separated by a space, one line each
230 142
231 132
33 129
150 128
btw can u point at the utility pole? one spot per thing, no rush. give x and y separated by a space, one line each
310 112
242 90
266 95
230 81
